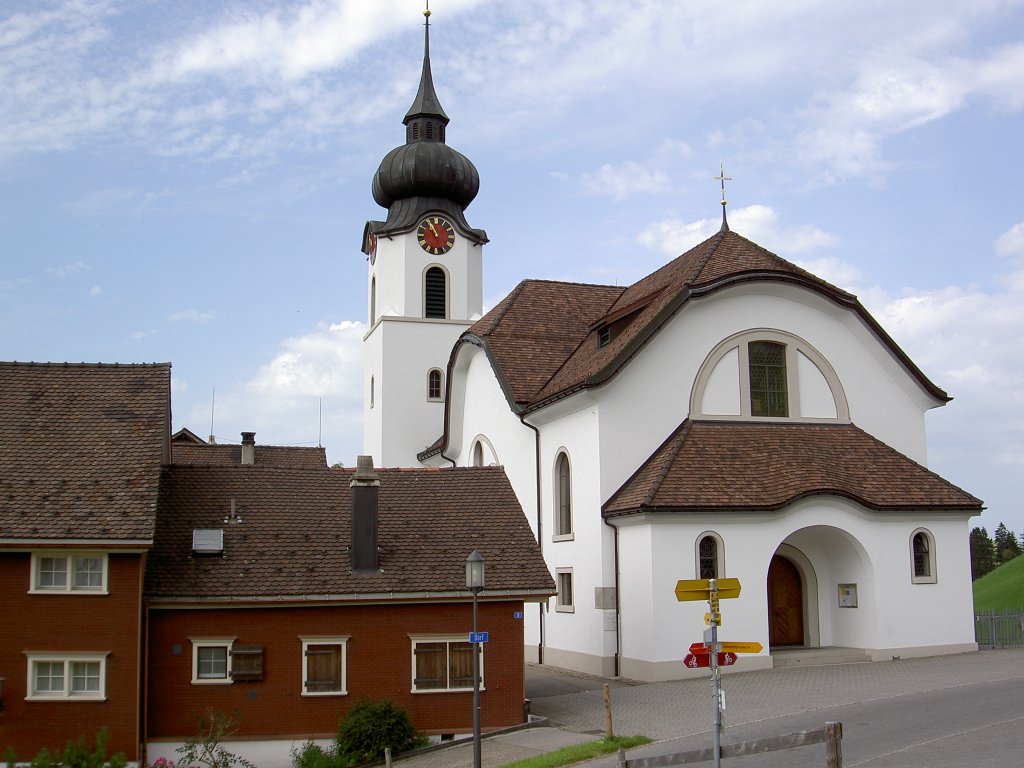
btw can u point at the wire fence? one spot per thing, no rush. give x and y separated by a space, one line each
999 628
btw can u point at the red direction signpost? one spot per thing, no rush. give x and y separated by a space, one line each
703 660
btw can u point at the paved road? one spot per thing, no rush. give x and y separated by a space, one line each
941 712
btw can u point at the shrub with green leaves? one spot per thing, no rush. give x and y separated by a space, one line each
372 726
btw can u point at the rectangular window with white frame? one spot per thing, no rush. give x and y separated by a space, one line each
564 599
443 663
324 666
67 676
69 572
211 660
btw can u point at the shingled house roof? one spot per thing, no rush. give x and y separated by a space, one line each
722 465
543 338
227 455
293 539
81 446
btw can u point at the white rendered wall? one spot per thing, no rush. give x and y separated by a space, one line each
400 353
843 543
650 397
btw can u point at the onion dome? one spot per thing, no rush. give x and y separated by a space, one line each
425 173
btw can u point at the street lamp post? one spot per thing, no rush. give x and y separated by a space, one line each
475 582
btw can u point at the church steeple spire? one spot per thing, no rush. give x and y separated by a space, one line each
426 106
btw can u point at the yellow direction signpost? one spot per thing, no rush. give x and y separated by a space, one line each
700 589
718 619
741 647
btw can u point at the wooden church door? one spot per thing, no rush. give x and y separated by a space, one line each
785 603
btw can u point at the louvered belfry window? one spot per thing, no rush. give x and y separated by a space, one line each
768 393
435 297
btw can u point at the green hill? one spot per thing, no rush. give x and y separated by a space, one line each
1002 588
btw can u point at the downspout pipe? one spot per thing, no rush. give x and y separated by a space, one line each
540 523
618 606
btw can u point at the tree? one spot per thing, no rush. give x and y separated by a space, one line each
1006 544
983 553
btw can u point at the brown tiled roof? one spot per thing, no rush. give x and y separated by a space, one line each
721 465
81 446
543 337
227 455
295 532
532 332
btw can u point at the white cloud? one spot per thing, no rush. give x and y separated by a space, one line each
621 181
281 401
755 222
192 316
141 335
67 270
1010 244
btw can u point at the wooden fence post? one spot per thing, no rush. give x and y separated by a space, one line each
608 713
833 745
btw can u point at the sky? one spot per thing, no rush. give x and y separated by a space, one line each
187 182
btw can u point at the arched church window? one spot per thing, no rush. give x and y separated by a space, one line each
766 373
563 496
478 454
434 384
372 392
435 293
922 551
768 393
710 552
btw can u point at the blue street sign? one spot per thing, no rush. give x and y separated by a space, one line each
478 637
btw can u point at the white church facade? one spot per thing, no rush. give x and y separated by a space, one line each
729 415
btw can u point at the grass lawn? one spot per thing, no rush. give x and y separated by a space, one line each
1002 588
579 752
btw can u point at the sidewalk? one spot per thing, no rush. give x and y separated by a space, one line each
574 704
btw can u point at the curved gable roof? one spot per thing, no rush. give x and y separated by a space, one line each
543 337
755 466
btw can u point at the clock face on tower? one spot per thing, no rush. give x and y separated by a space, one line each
436 235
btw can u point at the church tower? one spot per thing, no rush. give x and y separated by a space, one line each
424 282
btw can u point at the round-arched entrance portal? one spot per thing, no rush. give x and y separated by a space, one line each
785 603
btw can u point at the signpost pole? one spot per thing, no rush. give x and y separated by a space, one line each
715 675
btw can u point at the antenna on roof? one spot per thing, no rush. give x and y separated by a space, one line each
320 427
723 178
213 400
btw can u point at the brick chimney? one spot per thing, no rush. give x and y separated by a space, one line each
248 447
365 486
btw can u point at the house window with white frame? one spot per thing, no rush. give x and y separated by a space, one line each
76 572
443 664
69 676
211 660
563 497
564 598
324 666
922 553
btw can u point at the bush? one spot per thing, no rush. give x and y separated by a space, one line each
75 755
205 748
372 726
312 756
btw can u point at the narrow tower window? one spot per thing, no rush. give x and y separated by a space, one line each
373 299
435 293
563 496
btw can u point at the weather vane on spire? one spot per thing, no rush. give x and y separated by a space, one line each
426 12
723 178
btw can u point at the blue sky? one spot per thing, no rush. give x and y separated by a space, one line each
188 182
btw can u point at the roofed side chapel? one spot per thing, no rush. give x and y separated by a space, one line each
729 413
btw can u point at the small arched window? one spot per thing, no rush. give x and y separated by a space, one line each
372 392
478 454
435 293
710 564
373 299
563 496
922 552
435 384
